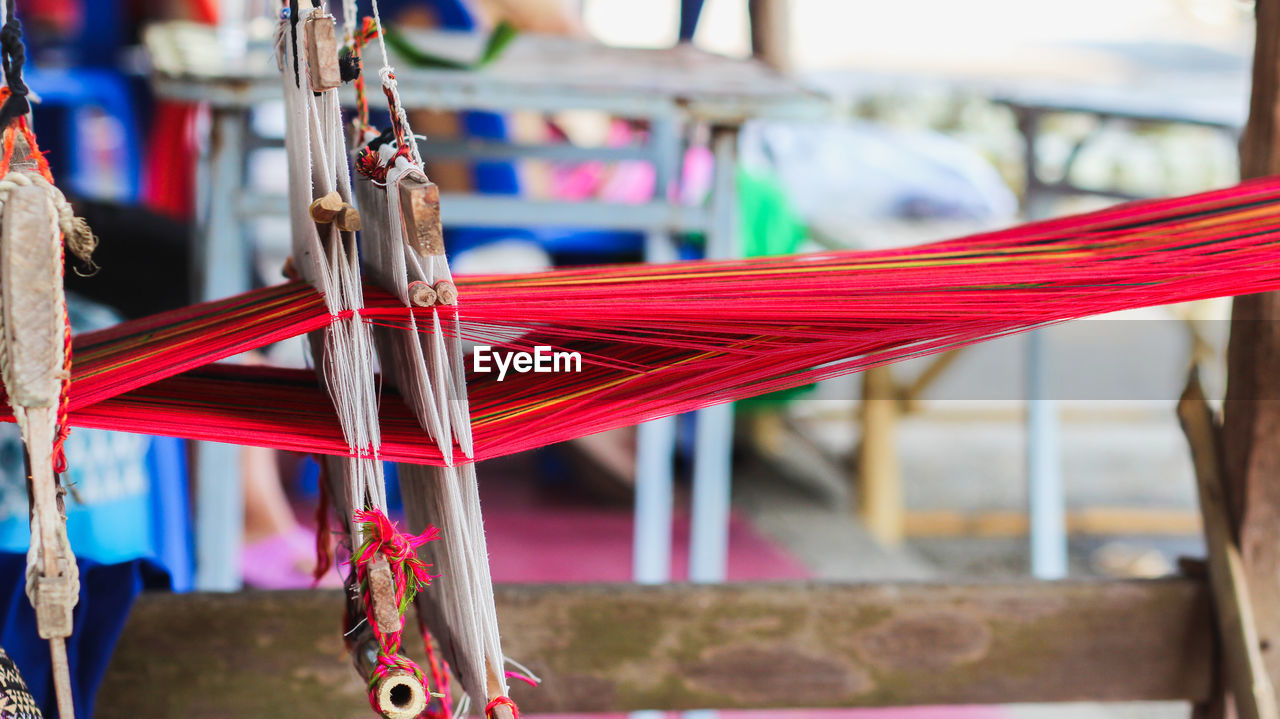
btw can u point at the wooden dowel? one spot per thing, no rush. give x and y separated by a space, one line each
446 292
422 294
348 219
327 208
400 694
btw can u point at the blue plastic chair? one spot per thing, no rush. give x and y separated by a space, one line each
67 96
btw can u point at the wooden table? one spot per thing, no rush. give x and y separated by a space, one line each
676 90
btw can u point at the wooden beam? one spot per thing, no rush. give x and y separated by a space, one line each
1237 631
753 646
1251 422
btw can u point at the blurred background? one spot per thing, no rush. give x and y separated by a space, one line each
1054 455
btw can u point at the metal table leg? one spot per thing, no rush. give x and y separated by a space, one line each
656 440
713 439
1045 496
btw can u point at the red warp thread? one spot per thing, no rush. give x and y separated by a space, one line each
439 675
409 574
658 340
324 538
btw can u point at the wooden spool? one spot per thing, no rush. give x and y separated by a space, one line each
401 696
422 294
348 220
446 292
327 208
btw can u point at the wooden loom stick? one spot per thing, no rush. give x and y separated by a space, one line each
33 357
1237 630
343 351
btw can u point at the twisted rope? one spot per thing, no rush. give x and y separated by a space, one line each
501 701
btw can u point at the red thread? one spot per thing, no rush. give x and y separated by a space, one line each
439 675
500 701
657 340
368 32
526 679
324 538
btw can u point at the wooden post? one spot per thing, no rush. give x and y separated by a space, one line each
1251 436
879 483
771 32
1237 631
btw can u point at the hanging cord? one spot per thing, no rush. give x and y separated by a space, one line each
352 70
13 55
293 39
324 536
399 117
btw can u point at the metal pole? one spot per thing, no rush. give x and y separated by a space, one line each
221 270
656 440
1045 496
1046 504
713 437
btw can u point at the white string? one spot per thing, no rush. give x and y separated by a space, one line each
349 13
387 75
377 21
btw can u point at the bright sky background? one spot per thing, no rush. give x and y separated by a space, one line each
916 34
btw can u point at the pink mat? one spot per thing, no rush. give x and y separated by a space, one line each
535 536
536 539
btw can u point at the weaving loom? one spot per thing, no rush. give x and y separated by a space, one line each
638 342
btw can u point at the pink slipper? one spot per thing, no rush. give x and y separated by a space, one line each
284 561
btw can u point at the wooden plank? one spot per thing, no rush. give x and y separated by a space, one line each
1152 521
1251 422
752 646
1245 673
